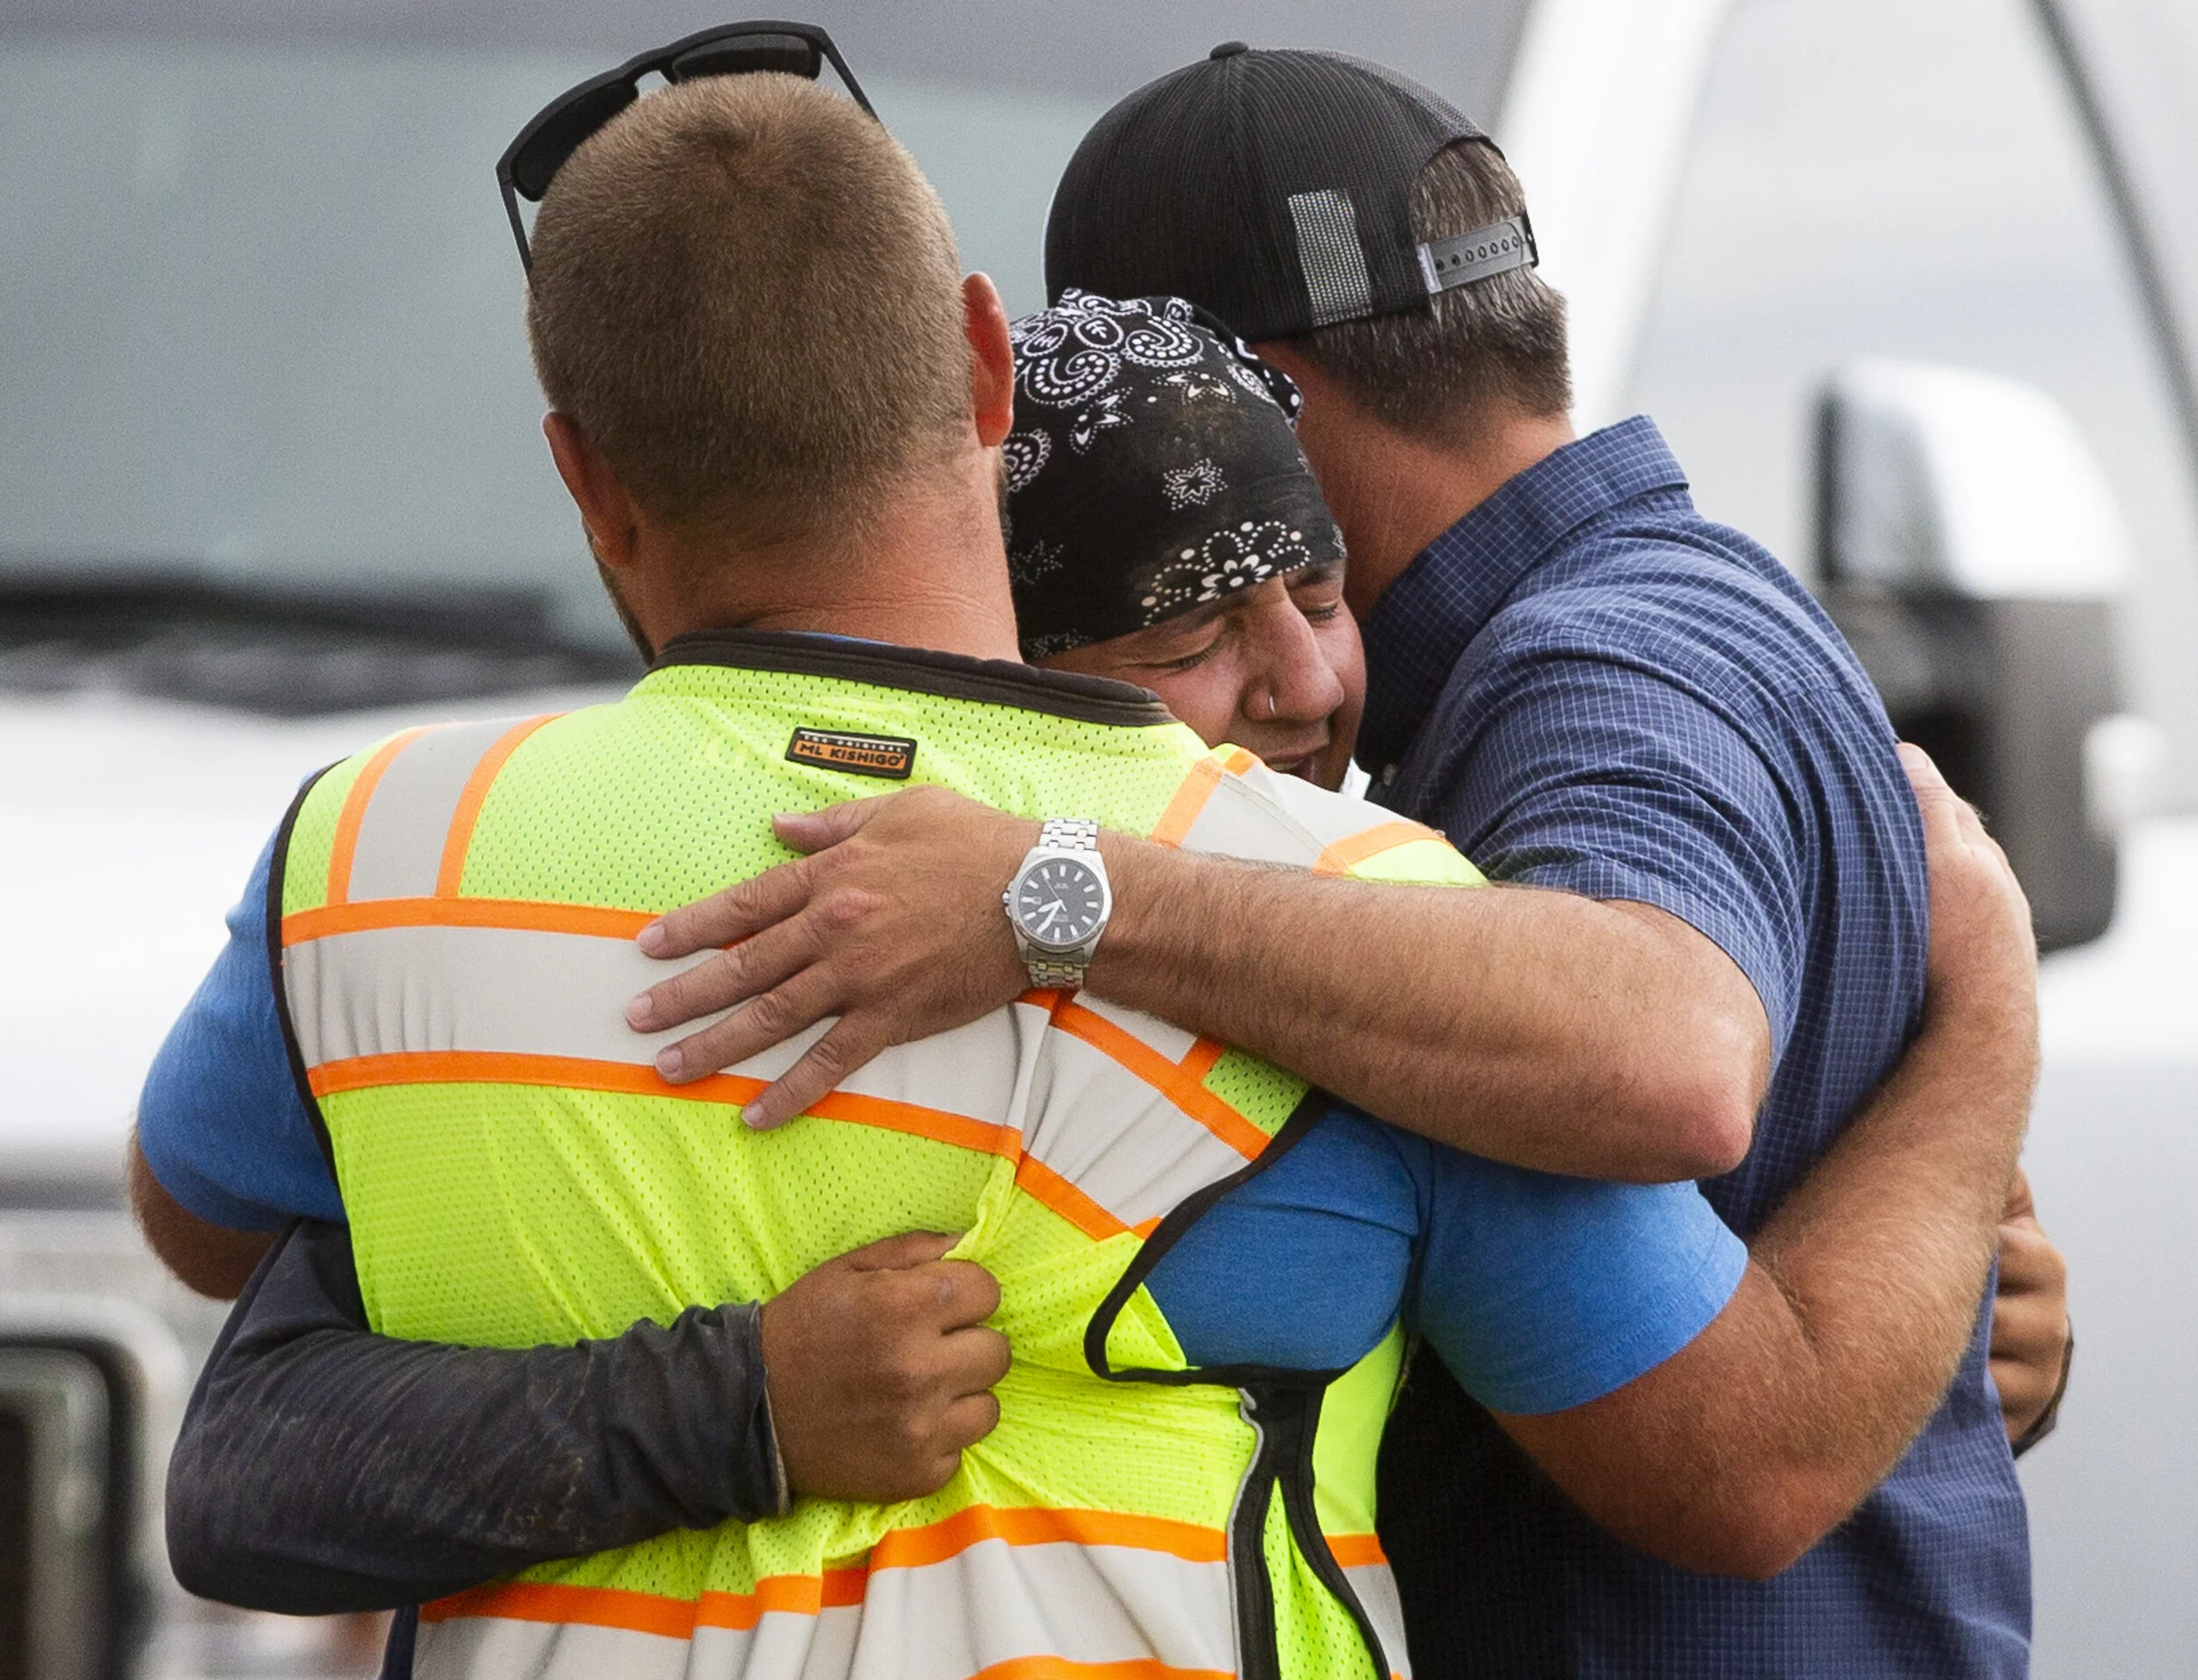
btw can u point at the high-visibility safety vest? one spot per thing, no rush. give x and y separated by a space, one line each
457 912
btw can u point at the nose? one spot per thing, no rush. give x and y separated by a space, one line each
1295 683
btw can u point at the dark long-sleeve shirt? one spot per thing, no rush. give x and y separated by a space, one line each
322 1468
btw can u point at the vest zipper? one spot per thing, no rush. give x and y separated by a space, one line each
1253 1594
1287 1420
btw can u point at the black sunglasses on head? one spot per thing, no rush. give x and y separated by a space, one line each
562 127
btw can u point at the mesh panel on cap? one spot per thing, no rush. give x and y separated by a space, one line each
1328 251
1247 183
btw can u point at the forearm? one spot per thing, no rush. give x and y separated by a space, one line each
1538 1028
1743 1450
1883 1252
324 1468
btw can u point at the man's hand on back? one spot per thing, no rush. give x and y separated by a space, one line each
2030 1324
878 1366
894 925
1982 951
1981 954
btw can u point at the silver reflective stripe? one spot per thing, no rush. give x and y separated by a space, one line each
1241 820
981 1071
988 1605
408 815
521 992
1328 817
438 991
486 1648
1116 1139
994 1603
1376 1590
1485 252
1330 257
385 991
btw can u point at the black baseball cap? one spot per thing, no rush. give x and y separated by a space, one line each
1271 188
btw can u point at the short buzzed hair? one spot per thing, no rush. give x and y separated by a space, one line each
1428 371
747 295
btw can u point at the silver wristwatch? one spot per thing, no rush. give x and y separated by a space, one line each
1059 903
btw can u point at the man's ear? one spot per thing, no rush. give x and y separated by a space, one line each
606 508
992 360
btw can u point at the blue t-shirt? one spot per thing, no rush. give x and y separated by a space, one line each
1587 685
1538 1292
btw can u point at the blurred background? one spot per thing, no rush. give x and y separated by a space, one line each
1911 286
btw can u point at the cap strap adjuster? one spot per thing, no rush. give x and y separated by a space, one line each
1497 249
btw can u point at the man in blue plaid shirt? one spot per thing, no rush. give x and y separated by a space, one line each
1587 686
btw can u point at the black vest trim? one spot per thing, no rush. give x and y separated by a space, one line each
951 676
1283 1406
1166 1235
277 867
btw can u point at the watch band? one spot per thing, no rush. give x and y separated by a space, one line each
1049 972
1069 833
1052 974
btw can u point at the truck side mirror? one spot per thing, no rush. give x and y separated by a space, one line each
1973 555
88 1387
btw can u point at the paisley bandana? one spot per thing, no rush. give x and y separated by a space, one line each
1151 470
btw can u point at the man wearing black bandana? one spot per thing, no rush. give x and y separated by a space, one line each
1121 408
1133 547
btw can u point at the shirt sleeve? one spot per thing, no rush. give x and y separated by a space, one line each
1616 781
1542 1294
1302 1266
322 1468
220 1120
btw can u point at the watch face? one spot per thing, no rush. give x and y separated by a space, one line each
1059 903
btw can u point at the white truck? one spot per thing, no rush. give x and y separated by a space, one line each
1912 285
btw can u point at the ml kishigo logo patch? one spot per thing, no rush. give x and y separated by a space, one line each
890 756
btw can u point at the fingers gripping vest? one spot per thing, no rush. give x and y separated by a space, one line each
455 948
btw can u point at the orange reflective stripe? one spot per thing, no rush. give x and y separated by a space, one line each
916 1548
1045 1526
1057 1668
1201 1060
1189 799
800 1594
1236 760
1042 1183
541 1601
1357 1551
643 1612
638 1079
301 926
345 845
469 810
1180 1082
1346 855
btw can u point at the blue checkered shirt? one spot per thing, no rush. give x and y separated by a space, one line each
1587 685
